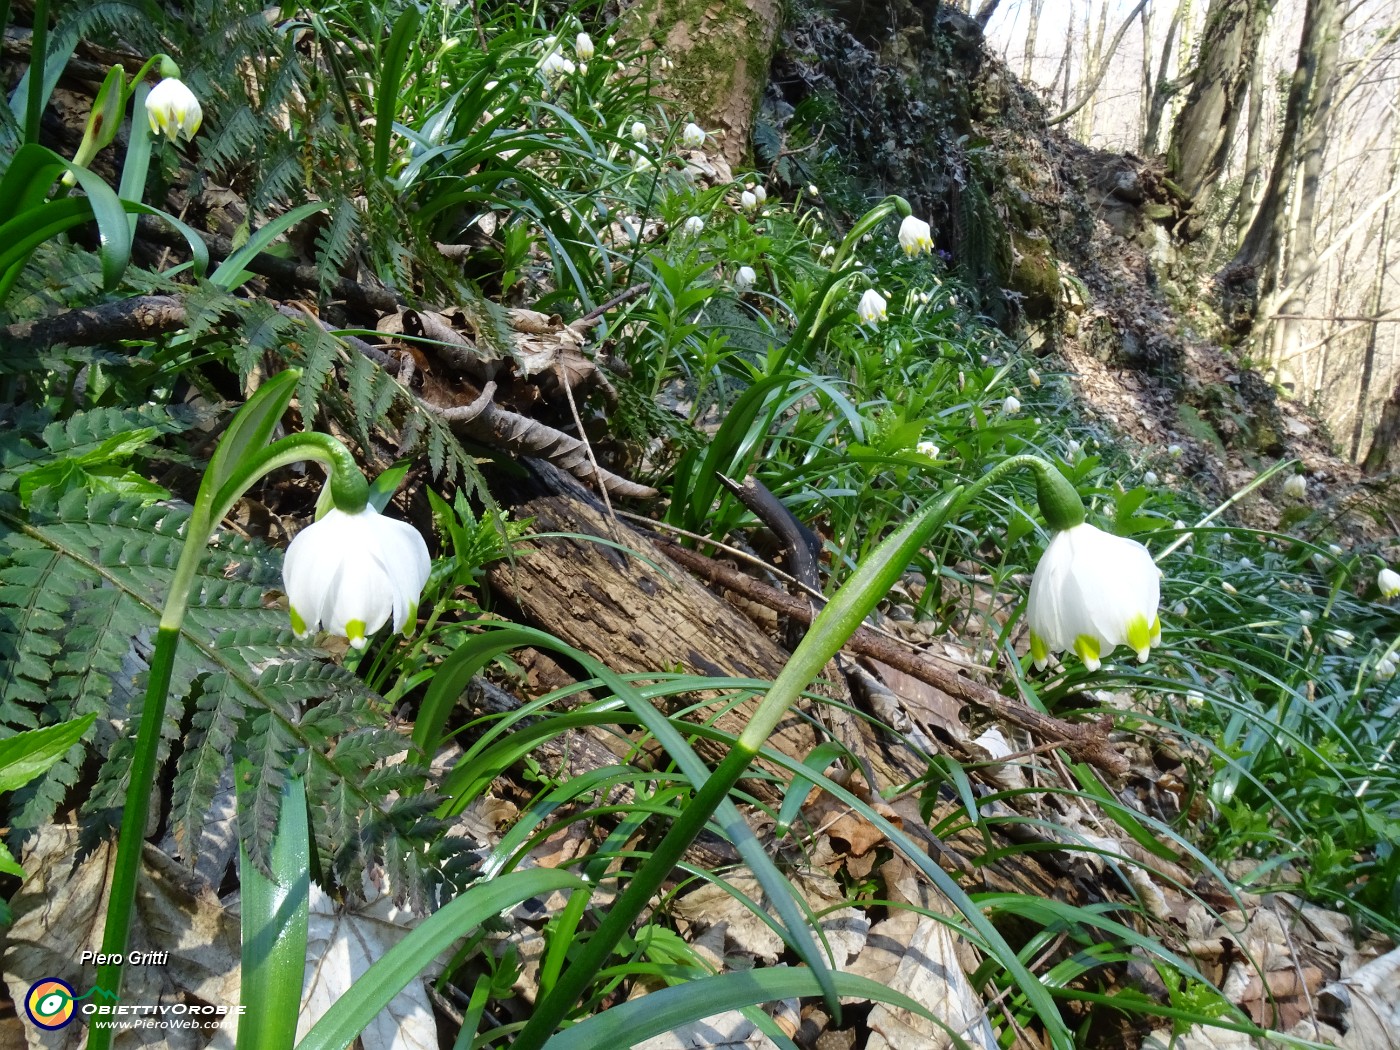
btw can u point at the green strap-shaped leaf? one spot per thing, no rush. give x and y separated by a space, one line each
230 273
402 963
25 755
390 80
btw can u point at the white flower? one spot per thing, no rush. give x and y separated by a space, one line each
556 66
915 236
744 279
1011 405
1385 667
1388 580
1228 587
927 448
1296 487
693 226
172 108
748 201
828 251
1093 592
1150 479
871 308
1174 451
583 47
1034 377
1195 699
1180 609
693 136
351 572
1073 449
639 131
812 190
1341 638
1306 616
760 194
1335 550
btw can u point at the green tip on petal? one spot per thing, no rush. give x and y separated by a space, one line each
355 632
1140 636
1156 630
298 624
1088 650
1040 652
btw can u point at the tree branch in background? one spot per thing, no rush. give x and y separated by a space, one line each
1102 69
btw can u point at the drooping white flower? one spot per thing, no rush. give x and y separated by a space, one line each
1093 592
693 226
812 190
556 66
915 236
173 110
1011 405
1296 487
748 201
1174 451
1034 377
583 47
1388 580
639 131
1150 479
871 308
828 251
1385 667
927 448
350 573
759 193
1228 587
744 280
1341 637
692 136
1195 699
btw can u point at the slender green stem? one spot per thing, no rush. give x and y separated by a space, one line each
850 605
38 57
134 816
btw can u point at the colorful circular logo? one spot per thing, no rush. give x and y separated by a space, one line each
50 1003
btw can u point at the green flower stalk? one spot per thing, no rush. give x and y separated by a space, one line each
242 457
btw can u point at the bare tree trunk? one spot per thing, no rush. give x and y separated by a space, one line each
1253 145
1095 65
1163 90
1312 147
1066 58
1203 132
985 12
722 52
1386 437
1368 361
1102 67
1032 30
1260 251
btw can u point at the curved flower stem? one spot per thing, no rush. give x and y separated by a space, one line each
348 484
846 610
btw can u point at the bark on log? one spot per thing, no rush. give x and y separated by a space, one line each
622 611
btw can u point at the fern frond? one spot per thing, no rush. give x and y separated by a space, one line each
336 243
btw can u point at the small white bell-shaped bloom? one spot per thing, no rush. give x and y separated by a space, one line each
693 226
760 194
350 573
927 448
1011 405
748 201
744 280
1388 580
583 47
915 236
1150 479
556 66
639 131
692 136
173 110
1296 487
871 308
1093 592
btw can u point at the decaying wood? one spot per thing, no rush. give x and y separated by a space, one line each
627 613
1086 742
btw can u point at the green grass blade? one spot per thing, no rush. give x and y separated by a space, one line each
25 755
659 1012
230 273
390 81
344 1021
